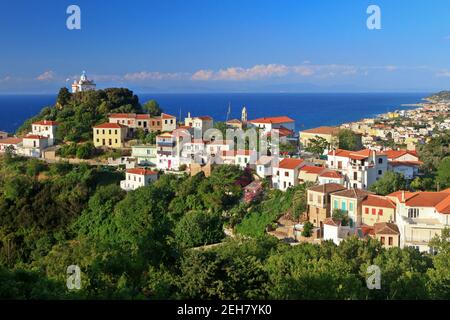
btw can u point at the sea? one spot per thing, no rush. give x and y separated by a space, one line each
307 109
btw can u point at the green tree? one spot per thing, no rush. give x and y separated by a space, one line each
348 140
307 229
388 183
198 228
317 146
341 215
443 173
64 97
152 107
439 275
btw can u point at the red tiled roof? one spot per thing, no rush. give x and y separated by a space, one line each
11 140
378 201
34 136
322 130
108 125
282 132
328 188
312 169
356 155
142 171
353 193
386 228
331 174
166 116
46 123
122 115
439 200
290 163
143 116
332 222
405 163
393 154
280 119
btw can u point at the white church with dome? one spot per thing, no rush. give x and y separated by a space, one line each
83 84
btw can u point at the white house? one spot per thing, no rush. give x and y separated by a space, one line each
335 231
144 154
420 216
138 177
45 128
3 135
246 158
331 176
168 122
405 162
269 123
83 84
201 123
285 175
264 166
33 145
13 142
360 168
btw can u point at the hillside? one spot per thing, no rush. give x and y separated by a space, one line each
78 112
440 96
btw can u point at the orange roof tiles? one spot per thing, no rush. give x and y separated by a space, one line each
290 163
378 201
108 125
331 174
142 171
272 120
312 169
46 123
323 130
34 136
11 140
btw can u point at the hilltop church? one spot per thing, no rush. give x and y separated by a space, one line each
83 84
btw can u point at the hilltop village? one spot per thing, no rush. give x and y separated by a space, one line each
343 169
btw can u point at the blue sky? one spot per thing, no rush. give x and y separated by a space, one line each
232 45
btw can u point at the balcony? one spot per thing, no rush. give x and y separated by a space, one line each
166 143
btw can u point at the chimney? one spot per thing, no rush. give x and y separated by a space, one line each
403 196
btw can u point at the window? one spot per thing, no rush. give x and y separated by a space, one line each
382 241
319 199
355 175
380 172
310 197
335 204
103 131
98 140
110 131
413 213
115 131
110 141
391 241
374 211
380 160
286 174
367 211
344 205
351 206
380 212
116 140
98 131
332 163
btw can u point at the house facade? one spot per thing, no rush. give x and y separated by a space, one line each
421 216
109 135
319 202
138 177
361 169
46 128
285 175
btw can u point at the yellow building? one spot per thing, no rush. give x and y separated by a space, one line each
330 134
377 209
110 135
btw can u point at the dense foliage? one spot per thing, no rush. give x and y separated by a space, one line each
79 112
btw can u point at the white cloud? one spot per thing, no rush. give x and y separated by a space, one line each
443 73
152 75
47 75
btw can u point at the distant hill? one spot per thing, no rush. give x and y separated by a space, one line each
440 96
78 112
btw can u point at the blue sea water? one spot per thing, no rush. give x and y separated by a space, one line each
307 109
